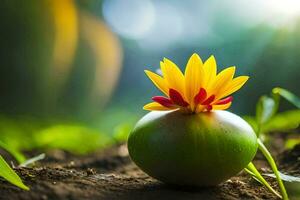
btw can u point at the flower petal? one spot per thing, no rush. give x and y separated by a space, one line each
200 97
173 75
234 85
177 98
164 101
155 106
224 101
222 107
221 81
209 100
193 78
158 81
210 71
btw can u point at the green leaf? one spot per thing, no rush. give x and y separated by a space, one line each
284 121
8 173
73 138
266 118
265 109
122 131
284 177
18 132
15 153
292 142
288 96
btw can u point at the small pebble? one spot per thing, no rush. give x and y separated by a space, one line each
44 197
72 163
90 171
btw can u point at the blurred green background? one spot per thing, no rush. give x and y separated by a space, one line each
70 66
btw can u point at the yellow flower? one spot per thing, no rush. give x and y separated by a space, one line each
199 89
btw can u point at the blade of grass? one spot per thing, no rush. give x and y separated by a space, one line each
16 154
33 160
8 174
253 175
287 95
273 165
251 169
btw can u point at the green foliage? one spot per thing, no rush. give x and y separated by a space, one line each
283 121
287 95
267 119
251 169
23 133
20 134
122 131
8 174
73 138
265 110
290 143
273 166
14 152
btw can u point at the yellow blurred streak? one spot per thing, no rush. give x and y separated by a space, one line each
107 54
65 18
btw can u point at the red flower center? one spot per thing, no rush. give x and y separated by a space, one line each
176 100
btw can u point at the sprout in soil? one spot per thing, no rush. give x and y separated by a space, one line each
188 138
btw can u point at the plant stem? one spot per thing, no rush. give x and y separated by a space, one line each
251 169
272 164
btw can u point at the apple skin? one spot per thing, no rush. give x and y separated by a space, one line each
202 149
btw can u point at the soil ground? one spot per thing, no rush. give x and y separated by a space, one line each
110 174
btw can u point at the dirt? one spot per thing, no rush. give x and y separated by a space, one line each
110 174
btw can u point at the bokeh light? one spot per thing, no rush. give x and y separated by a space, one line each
131 18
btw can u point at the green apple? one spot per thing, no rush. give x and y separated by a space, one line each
201 149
